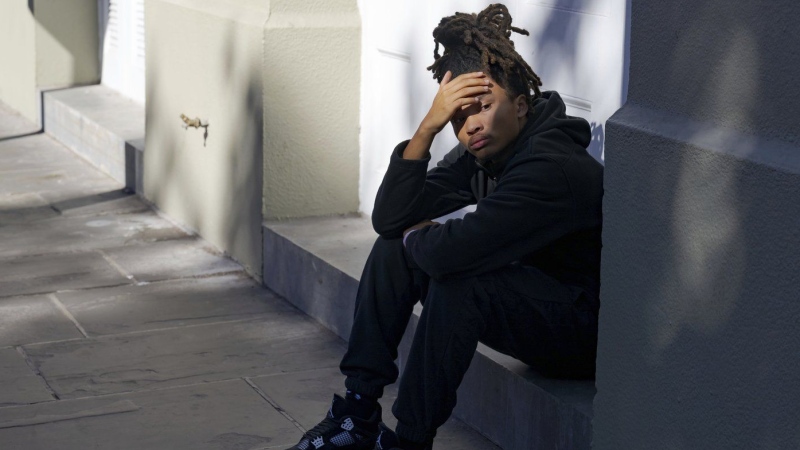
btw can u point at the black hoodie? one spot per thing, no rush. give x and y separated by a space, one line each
540 207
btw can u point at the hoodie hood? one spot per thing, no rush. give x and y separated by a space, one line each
550 113
548 119
548 129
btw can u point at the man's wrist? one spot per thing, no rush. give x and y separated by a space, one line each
420 145
423 130
409 233
417 227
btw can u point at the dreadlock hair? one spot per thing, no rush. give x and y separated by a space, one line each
475 42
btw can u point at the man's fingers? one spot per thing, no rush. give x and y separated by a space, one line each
470 93
467 76
467 101
458 84
471 90
445 79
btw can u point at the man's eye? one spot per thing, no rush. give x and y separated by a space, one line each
485 106
458 120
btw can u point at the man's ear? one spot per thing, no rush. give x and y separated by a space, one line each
522 105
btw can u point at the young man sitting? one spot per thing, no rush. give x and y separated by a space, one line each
520 273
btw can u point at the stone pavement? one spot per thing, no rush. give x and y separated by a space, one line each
119 330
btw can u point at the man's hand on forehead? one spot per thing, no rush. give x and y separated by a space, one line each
454 94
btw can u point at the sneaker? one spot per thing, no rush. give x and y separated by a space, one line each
387 440
339 431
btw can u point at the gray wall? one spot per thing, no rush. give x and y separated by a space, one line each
699 344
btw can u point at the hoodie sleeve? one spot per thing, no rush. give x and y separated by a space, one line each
410 193
531 207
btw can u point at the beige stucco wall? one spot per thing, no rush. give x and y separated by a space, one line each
53 46
312 79
204 60
67 43
278 83
18 58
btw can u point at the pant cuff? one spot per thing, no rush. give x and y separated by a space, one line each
412 434
360 387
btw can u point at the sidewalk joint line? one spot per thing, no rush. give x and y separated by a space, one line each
69 315
119 268
36 370
128 392
180 327
240 273
274 404
32 344
88 288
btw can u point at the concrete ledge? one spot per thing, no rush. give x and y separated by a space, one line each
101 125
316 263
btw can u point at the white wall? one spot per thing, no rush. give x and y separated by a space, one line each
123 50
578 47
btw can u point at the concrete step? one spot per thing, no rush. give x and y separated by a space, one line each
316 263
103 126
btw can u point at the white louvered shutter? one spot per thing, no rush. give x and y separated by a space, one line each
124 47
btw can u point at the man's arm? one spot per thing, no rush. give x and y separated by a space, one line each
410 193
407 195
531 207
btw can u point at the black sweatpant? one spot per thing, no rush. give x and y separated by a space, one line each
517 310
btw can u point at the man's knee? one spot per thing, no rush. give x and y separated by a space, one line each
387 247
393 253
461 297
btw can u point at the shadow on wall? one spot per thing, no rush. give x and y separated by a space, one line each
559 42
85 64
223 202
718 278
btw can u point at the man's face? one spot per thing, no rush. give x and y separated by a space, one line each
490 126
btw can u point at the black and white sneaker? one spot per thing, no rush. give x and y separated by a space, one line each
387 440
339 431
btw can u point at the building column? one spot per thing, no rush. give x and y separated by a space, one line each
700 318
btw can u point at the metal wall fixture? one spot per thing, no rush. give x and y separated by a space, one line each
195 123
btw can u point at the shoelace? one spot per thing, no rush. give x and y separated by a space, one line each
326 426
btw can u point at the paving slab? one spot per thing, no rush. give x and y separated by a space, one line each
117 201
307 396
32 319
39 151
13 124
172 259
168 304
78 190
19 385
212 416
49 273
24 208
280 342
70 234
42 180
40 164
